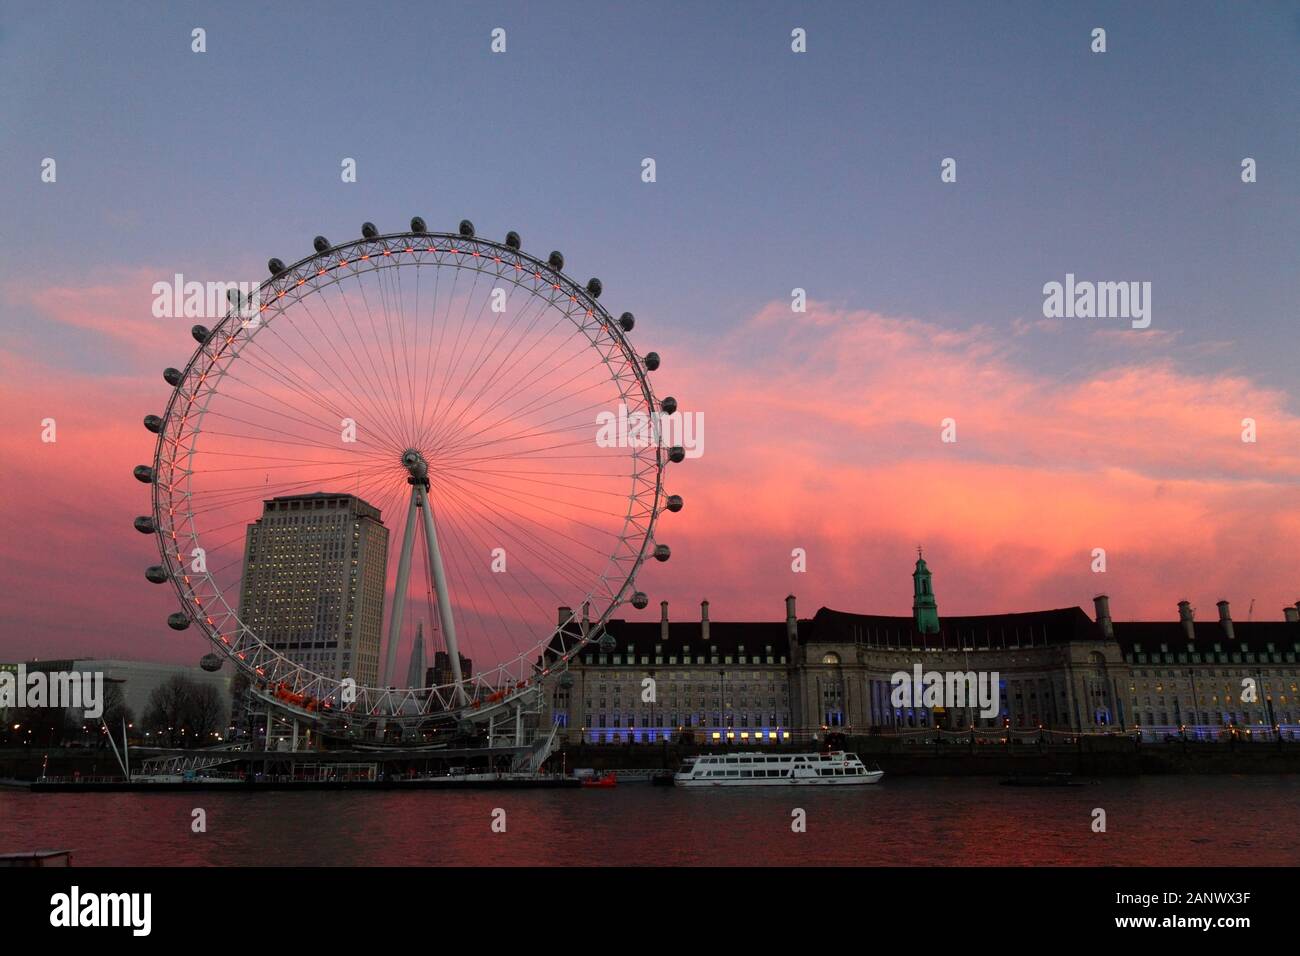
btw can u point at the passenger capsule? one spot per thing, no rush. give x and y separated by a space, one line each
154 423
626 321
566 679
556 261
677 453
320 244
418 227
466 229
173 376
662 552
144 524
651 361
669 405
211 662
143 473
235 298
178 621
275 266
200 333
674 503
513 241
594 288
368 230
156 573
639 600
607 642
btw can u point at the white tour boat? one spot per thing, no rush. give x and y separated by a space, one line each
835 769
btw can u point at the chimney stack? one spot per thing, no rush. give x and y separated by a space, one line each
663 621
1292 614
586 617
791 622
704 619
1187 617
1101 603
563 615
1225 620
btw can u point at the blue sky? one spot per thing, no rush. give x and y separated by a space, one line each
775 170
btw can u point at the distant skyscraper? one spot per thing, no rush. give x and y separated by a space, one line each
415 670
313 587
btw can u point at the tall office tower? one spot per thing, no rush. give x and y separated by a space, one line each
313 585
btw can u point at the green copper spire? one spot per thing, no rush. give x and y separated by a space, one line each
924 609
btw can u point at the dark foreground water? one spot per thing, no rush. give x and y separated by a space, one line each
1197 821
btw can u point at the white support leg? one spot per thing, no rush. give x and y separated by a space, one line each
399 595
444 600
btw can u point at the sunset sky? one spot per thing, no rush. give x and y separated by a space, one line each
775 171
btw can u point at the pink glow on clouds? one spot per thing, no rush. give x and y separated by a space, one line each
822 432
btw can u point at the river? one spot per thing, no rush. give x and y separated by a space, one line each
972 821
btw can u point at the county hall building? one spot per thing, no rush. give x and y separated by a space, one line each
1059 670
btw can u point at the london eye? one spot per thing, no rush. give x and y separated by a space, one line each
448 388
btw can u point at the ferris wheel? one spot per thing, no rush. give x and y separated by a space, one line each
404 433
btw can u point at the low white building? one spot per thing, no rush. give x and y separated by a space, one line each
139 678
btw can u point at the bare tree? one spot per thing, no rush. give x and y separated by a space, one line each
169 705
115 710
205 714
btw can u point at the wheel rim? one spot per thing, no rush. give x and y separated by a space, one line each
191 509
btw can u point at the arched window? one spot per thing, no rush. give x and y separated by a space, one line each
830 658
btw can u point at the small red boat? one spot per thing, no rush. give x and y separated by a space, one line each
604 781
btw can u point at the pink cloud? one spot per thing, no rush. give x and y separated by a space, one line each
823 432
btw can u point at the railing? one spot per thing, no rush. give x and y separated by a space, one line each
927 736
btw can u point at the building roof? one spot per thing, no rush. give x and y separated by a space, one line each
1027 628
341 499
311 495
727 636
1254 635
1056 626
